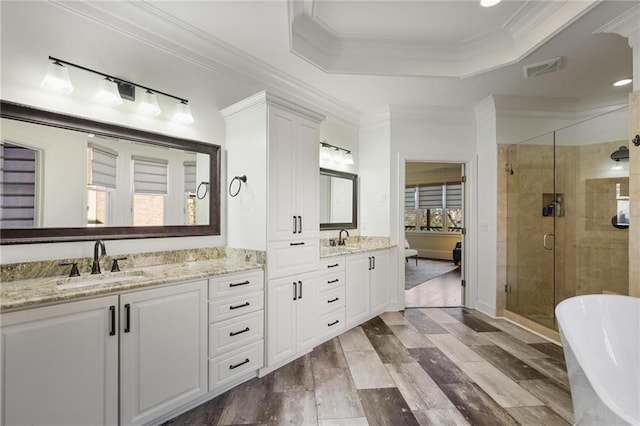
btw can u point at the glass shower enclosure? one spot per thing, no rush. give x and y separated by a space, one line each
567 215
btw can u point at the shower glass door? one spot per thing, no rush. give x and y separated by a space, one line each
531 228
567 215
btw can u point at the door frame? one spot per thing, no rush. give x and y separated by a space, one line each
469 255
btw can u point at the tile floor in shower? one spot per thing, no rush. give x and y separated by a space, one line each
436 366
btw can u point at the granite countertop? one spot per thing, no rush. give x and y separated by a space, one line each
38 291
349 248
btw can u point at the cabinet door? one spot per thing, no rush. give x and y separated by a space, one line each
380 281
357 285
163 350
308 177
307 310
283 186
282 295
60 364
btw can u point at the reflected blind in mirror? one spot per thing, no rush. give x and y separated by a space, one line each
103 166
17 186
189 176
149 176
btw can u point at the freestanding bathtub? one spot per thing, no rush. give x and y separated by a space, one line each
601 341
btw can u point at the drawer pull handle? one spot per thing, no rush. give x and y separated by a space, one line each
333 323
239 306
332 266
231 367
235 333
333 281
238 284
297 244
333 300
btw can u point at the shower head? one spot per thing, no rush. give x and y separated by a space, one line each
622 154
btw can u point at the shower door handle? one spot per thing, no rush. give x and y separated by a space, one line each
545 238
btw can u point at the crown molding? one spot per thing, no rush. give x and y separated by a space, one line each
532 25
557 108
627 25
145 22
264 97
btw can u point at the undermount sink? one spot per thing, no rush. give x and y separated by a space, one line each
122 277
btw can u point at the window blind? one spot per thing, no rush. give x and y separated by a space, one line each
103 166
189 176
149 176
410 198
430 197
17 186
454 195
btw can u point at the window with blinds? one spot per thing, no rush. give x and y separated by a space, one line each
150 187
150 176
17 186
102 166
189 176
433 207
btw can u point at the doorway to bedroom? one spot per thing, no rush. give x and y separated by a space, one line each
433 224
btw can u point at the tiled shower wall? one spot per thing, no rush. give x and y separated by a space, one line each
592 255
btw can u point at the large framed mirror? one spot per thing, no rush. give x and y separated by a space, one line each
338 200
67 178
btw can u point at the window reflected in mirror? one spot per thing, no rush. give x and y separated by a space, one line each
338 200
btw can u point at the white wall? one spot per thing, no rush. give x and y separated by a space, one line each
375 174
487 206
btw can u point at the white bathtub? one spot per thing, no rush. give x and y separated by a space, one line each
601 339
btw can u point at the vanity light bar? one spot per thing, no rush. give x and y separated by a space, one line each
334 153
126 90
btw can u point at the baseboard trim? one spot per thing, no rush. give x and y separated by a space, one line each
485 309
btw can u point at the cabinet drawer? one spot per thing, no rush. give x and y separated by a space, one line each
331 300
292 257
228 367
233 333
231 307
332 280
333 264
332 323
233 284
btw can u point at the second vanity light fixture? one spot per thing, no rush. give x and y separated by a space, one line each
334 153
112 91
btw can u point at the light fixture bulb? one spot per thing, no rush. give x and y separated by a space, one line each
149 104
57 78
489 3
183 113
108 93
348 158
338 156
622 82
325 153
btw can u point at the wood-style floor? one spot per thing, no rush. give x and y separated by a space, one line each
445 290
448 366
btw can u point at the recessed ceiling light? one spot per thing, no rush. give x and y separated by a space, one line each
622 82
489 3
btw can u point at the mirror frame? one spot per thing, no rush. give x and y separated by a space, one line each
29 114
354 202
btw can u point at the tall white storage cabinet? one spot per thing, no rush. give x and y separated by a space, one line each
275 143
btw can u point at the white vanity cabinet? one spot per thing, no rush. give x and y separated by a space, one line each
60 364
236 328
163 350
69 364
292 316
332 297
293 175
367 289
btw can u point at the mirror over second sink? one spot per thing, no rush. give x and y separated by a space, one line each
338 200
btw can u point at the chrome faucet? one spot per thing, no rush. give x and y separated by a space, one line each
95 268
341 240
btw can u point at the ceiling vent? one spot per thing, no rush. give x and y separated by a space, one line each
550 65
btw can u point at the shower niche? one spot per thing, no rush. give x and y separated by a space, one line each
552 205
